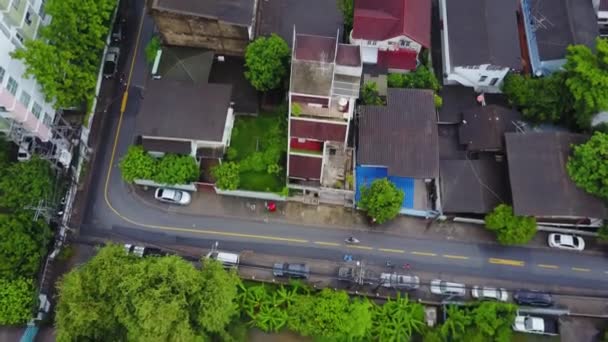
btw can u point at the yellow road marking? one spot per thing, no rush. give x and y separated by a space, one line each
461 257
548 266
424 253
508 262
123 104
389 250
578 269
327 243
361 247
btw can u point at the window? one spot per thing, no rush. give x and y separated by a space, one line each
2 71
28 18
494 81
494 67
16 3
25 99
36 110
12 86
371 42
404 43
483 78
47 119
41 12
19 37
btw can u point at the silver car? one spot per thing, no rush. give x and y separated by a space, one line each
173 196
482 292
400 281
446 288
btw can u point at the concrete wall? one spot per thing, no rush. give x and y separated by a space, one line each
183 30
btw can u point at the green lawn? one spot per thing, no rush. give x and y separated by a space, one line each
248 136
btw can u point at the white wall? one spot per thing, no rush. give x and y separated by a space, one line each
484 78
395 43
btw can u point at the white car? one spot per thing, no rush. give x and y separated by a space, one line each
566 241
482 292
172 196
445 288
110 62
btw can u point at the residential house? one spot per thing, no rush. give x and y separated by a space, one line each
324 86
552 26
24 111
483 127
540 184
602 17
480 42
225 27
392 33
399 142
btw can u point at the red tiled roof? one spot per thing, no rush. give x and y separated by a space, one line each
323 131
381 20
305 167
404 59
349 55
315 48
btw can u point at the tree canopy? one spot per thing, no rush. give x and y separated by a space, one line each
347 7
381 200
397 320
267 59
66 57
588 165
23 245
487 321
370 95
227 175
26 183
421 78
17 301
116 296
169 169
509 228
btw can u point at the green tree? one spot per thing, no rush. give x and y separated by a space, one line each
137 164
588 165
22 246
26 183
397 320
370 95
509 228
152 49
492 322
347 7
17 300
118 297
267 59
421 78
587 80
226 176
456 324
66 57
176 169
381 200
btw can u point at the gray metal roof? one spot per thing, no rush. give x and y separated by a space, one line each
401 135
483 127
483 32
240 12
539 180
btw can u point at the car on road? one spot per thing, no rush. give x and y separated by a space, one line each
110 62
566 241
446 288
172 196
291 270
532 298
142 251
483 293
536 325
399 281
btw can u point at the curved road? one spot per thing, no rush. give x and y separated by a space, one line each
114 209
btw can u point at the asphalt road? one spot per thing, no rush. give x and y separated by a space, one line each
113 210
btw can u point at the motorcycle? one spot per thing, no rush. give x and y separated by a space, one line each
351 241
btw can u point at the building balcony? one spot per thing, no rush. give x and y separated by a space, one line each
339 109
4 4
15 15
30 25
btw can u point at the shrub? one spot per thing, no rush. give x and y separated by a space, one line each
510 229
381 200
226 176
152 49
176 169
296 109
137 164
421 78
267 59
370 95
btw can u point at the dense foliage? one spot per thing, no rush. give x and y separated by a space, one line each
398 320
66 57
588 165
381 200
370 95
421 78
26 183
267 60
169 169
23 245
509 228
152 49
488 321
226 175
347 7
117 297
17 301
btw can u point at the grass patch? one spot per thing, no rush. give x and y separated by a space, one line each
250 134
261 181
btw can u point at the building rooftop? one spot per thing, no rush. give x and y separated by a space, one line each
184 110
560 23
239 12
381 20
232 71
540 184
473 186
401 135
483 32
483 127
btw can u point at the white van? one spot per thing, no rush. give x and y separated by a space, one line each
229 260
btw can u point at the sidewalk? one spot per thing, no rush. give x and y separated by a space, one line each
207 203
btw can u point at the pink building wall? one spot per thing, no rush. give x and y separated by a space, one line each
19 113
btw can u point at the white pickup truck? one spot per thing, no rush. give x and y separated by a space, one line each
536 325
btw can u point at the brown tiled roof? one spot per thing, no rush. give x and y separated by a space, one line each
349 55
238 12
315 48
305 167
401 135
539 180
323 131
483 127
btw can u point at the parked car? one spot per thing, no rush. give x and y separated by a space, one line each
291 270
536 325
399 281
25 149
110 63
172 196
483 292
445 288
566 241
228 260
533 298
142 251
117 31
